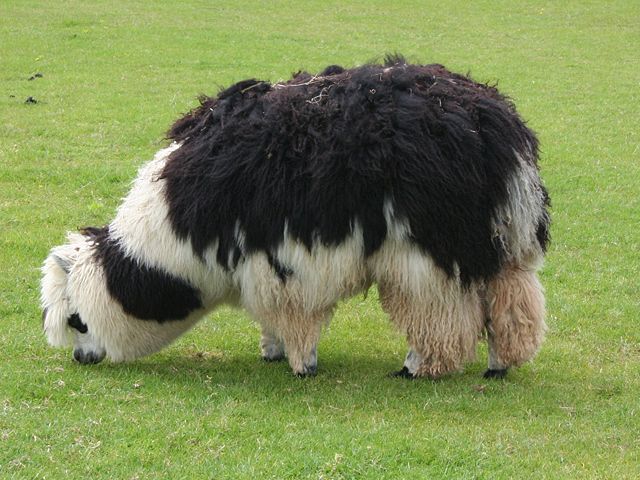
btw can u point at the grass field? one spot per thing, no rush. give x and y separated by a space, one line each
114 76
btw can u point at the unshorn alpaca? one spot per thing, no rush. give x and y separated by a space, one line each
285 198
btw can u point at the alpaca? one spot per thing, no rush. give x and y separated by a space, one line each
285 198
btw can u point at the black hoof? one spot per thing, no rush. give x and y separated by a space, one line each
404 373
490 373
309 371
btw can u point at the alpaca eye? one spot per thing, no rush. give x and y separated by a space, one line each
74 321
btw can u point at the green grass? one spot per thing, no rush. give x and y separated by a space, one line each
115 74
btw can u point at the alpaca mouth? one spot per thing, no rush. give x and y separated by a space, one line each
88 358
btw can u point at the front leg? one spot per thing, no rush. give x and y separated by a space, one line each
302 352
271 346
301 332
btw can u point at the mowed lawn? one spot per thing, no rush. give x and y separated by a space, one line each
114 75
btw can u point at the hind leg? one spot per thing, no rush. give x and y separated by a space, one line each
442 323
515 325
412 362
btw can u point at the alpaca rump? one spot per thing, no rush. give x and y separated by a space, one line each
285 198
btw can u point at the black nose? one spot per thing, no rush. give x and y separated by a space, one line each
87 358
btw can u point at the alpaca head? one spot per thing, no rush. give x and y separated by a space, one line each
62 322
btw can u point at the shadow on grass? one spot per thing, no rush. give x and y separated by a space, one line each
341 376
347 380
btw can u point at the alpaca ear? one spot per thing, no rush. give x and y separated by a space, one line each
66 255
65 262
